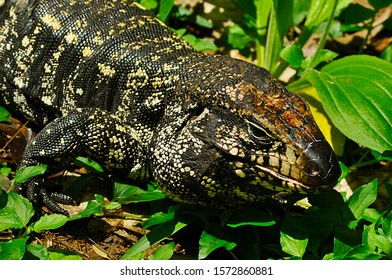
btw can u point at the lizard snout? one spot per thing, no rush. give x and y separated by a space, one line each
325 170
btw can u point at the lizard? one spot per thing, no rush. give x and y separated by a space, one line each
108 80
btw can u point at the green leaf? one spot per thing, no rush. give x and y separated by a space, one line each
16 213
280 19
250 216
159 218
4 115
238 38
164 252
92 208
113 205
164 9
293 55
89 164
5 170
63 255
156 235
340 249
362 198
371 215
208 243
354 91
199 44
293 246
387 54
375 241
356 13
48 222
387 225
124 193
39 251
149 4
300 10
27 172
100 199
324 55
320 10
361 252
13 249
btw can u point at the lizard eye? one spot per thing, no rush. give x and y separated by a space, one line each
258 133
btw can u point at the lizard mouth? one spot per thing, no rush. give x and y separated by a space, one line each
292 185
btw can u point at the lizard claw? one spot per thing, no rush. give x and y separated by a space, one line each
36 192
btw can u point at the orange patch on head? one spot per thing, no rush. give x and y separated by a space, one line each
292 119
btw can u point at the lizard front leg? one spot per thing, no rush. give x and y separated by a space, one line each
88 131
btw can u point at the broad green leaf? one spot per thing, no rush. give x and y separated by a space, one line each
124 193
39 251
48 222
100 199
5 170
362 198
13 249
156 235
356 13
340 249
362 252
334 137
375 241
355 91
203 22
9 221
27 172
387 54
293 55
158 218
89 164
280 19
92 208
293 246
371 215
237 37
113 205
387 226
4 115
164 9
63 255
250 216
16 213
198 43
324 55
164 252
208 243
320 10
149 4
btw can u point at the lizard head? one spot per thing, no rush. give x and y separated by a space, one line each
244 137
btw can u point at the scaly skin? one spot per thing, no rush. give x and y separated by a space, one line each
108 80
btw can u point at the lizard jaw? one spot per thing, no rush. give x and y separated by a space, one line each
292 185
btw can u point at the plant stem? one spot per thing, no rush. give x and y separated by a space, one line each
321 43
369 27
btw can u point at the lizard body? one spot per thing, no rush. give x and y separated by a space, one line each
108 80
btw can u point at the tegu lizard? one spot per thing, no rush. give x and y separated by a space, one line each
108 80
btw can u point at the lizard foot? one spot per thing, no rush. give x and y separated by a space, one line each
36 193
